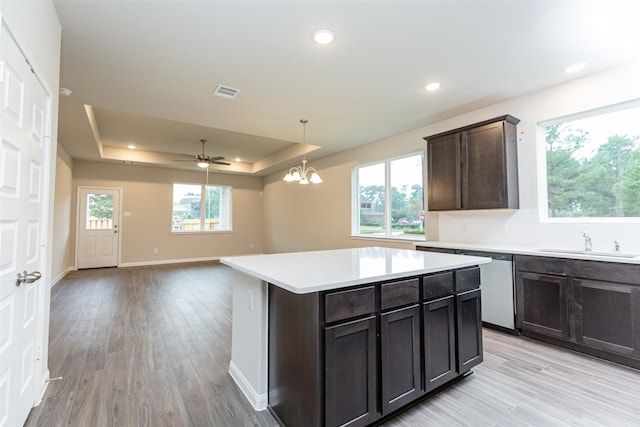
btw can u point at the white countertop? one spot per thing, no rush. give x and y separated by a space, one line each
546 252
307 272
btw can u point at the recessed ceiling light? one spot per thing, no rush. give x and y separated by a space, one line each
432 86
574 68
131 147
324 36
238 159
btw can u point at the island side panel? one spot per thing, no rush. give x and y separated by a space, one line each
295 348
248 366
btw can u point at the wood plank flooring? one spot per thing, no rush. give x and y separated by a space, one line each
150 346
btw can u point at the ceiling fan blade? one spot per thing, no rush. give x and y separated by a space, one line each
215 162
184 160
216 158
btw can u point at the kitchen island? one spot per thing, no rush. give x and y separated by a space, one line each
326 338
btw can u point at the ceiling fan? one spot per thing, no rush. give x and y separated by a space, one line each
203 160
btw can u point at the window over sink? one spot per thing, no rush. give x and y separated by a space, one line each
593 163
388 198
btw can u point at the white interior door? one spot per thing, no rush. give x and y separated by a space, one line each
25 131
98 233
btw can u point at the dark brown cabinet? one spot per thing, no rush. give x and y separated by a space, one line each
444 173
588 306
351 373
439 332
474 167
607 316
542 304
351 357
400 357
469 327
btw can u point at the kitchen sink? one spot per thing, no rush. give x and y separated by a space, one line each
591 253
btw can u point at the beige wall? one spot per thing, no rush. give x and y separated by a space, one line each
63 226
315 217
147 195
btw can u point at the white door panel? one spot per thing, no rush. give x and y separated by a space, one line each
98 233
26 109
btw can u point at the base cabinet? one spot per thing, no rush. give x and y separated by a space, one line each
351 373
588 306
378 348
400 357
607 316
542 304
469 327
439 342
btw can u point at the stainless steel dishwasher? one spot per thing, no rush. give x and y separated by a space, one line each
496 289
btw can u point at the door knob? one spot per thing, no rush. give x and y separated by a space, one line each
25 277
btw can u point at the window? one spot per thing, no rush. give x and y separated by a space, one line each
99 213
388 198
199 208
593 164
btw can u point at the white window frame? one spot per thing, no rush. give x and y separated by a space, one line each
543 199
355 200
203 193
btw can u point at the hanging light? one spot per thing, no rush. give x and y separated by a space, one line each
303 174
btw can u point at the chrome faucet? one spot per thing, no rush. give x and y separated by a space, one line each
587 241
616 245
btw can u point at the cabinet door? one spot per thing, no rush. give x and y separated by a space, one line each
469 322
484 169
444 172
351 383
542 304
439 342
607 316
400 357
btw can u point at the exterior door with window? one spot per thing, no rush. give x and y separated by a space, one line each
98 238
24 158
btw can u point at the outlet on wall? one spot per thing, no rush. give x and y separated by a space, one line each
155 250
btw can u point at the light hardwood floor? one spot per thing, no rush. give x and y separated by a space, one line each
150 346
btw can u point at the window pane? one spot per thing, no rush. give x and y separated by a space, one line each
407 207
218 208
371 181
593 166
99 212
186 207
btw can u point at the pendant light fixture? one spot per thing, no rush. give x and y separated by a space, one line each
303 174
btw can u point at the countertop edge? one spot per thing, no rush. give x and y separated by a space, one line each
332 285
514 250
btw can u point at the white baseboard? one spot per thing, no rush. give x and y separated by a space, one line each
258 401
167 261
61 275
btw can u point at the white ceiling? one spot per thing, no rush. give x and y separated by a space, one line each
143 72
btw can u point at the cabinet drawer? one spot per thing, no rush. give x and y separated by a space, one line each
543 265
467 279
607 271
397 294
437 285
347 304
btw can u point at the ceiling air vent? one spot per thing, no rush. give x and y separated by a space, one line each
226 92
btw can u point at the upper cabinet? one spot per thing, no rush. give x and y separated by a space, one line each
474 167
